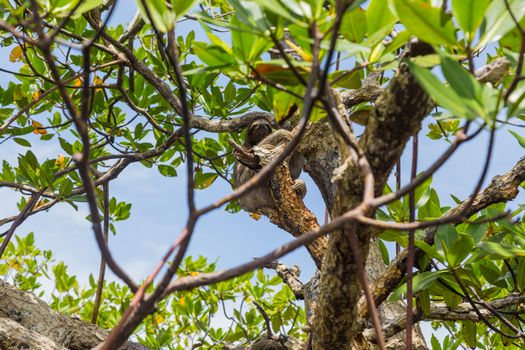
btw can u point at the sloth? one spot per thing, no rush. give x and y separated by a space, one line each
260 133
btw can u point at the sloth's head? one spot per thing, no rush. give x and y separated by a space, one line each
257 131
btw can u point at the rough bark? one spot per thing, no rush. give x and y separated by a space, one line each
397 115
38 321
15 336
390 312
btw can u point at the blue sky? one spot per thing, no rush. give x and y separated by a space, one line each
159 209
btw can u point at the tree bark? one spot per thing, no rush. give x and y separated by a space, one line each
24 316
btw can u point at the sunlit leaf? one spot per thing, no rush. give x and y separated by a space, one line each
444 95
353 25
181 7
156 12
521 139
428 23
379 18
16 54
499 21
469 14
420 281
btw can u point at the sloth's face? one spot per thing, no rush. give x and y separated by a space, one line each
258 131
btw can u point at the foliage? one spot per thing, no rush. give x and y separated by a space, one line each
221 313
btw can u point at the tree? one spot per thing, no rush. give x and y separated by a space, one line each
108 97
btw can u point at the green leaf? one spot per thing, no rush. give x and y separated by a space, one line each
213 55
430 250
345 79
499 21
66 146
432 209
353 25
468 330
396 208
247 43
167 170
425 21
501 250
280 73
86 6
422 193
420 282
64 8
492 273
446 235
180 7
520 275
379 18
7 172
436 344
284 104
384 252
444 95
476 231
460 249
157 12
65 187
22 142
459 79
451 299
204 180
463 83
277 7
521 139
469 14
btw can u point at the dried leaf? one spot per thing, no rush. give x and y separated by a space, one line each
39 128
255 216
16 54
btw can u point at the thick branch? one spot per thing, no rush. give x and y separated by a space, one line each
290 213
13 336
369 91
440 311
33 314
397 116
290 277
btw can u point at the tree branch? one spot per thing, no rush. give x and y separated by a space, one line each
33 314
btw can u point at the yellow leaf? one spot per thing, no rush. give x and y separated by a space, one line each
194 273
60 161
77 82
15 265
36 95
98 81
159 319
16 54
255 216
304 55
39 128
182 302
